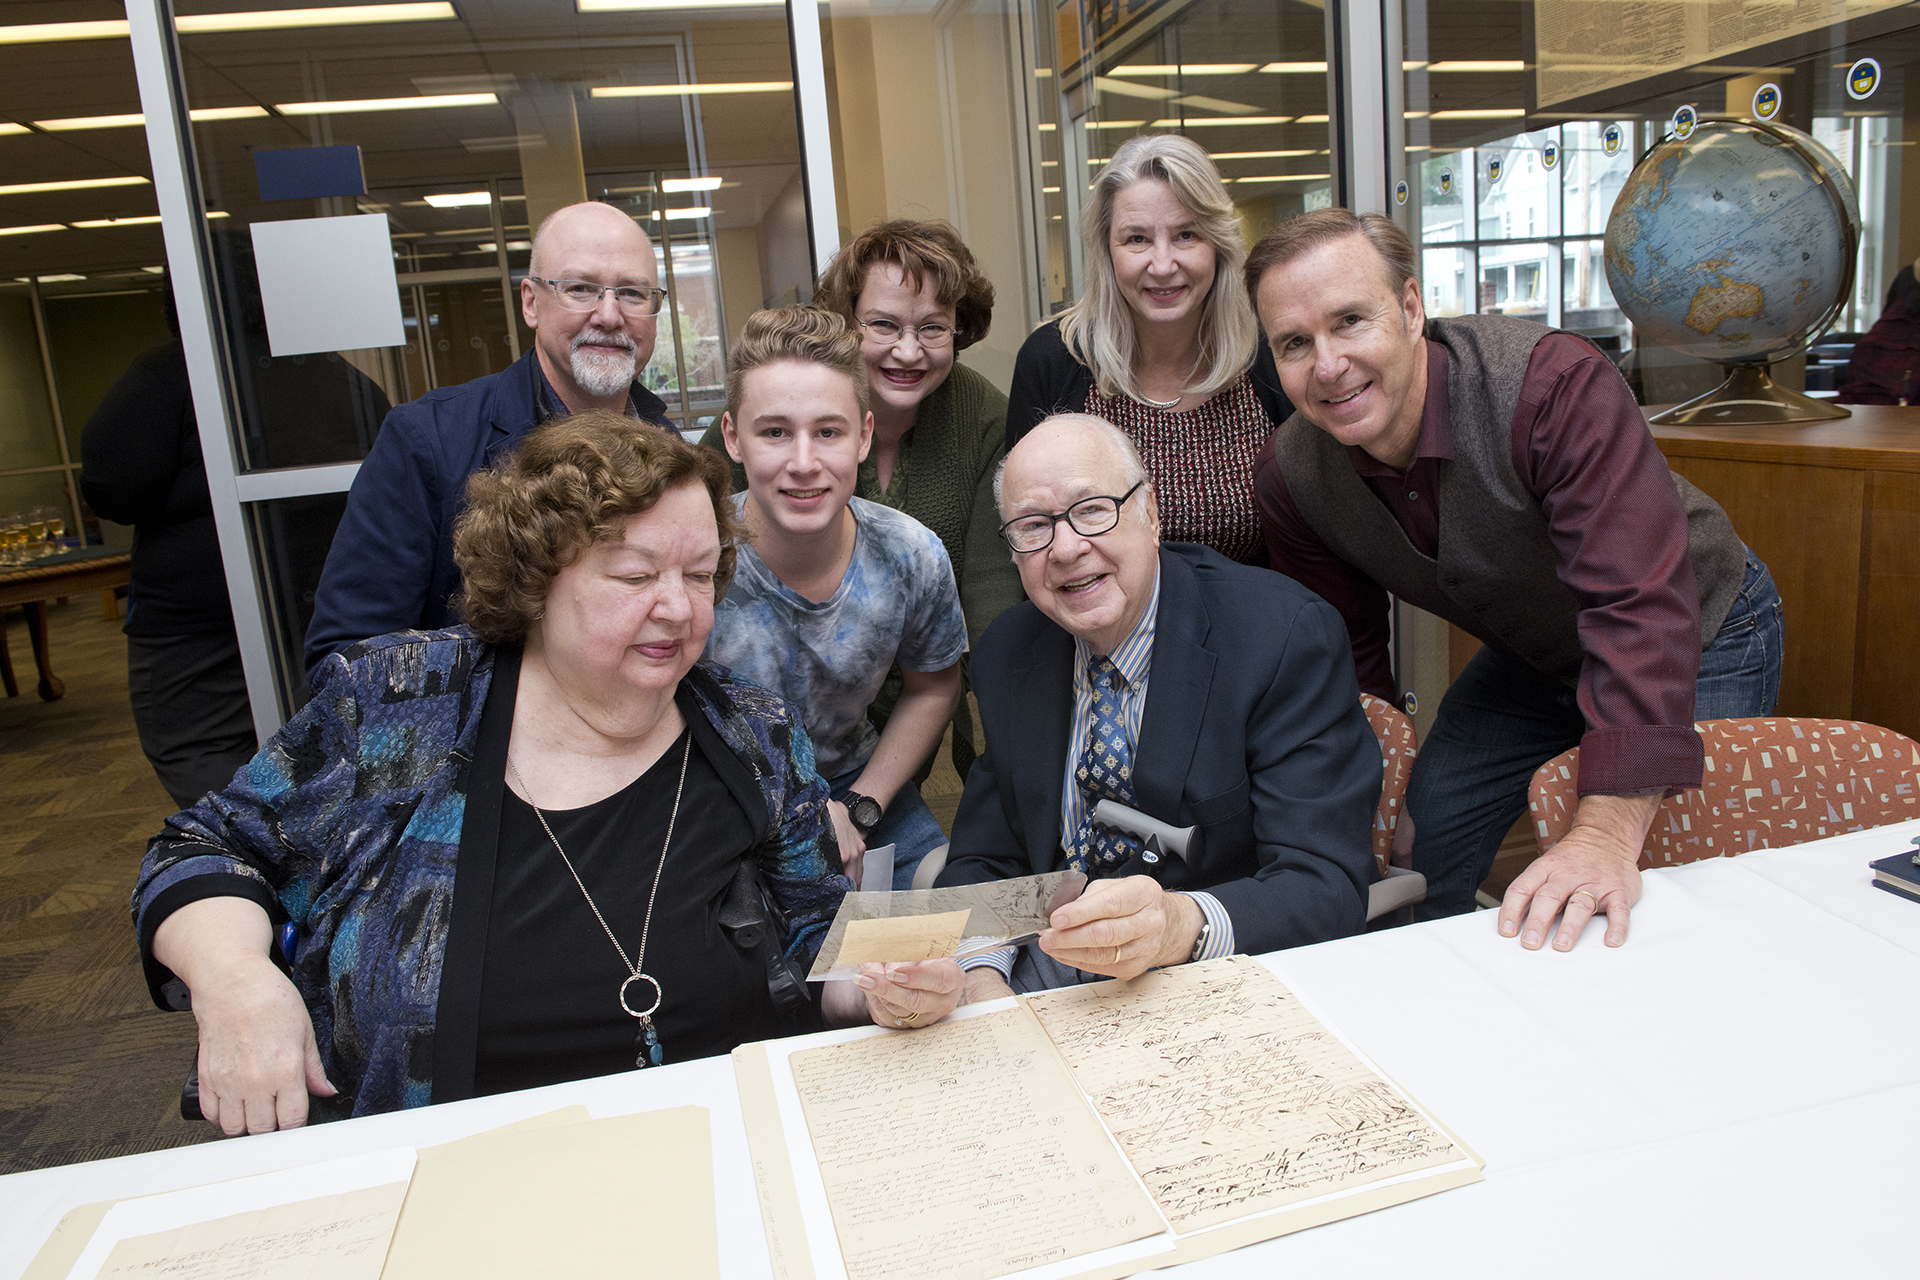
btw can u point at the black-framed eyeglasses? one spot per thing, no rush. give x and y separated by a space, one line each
1089 517
930 334
585 295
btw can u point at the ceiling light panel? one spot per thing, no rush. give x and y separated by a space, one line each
95 224
673 186
135 119
8 127
684 90
422 102
626 6
460 199
77 184
27 231
1295 68
1186 69
271 20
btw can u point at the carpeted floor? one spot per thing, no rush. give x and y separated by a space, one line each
88 1067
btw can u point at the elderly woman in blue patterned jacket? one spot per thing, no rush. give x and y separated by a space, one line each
470 832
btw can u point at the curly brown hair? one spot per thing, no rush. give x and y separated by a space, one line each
573 482
921 250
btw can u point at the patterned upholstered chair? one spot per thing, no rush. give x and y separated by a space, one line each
1769 782
1398 887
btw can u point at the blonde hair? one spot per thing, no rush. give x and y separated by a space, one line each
573 482
1099 328
798 332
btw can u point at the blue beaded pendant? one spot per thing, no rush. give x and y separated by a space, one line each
651 1054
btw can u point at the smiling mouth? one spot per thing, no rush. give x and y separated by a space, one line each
1350 395
907 376
659 648
803 495
1079 585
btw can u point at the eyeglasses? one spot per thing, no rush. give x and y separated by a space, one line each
584 295
1089 517
931 334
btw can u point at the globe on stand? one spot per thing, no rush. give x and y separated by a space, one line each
1736 245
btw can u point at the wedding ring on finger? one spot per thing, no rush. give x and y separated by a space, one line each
909 1020
1116 955
1577 892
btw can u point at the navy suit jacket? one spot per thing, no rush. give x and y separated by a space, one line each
390 567
1252 730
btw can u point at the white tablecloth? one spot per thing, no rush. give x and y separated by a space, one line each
1735 1091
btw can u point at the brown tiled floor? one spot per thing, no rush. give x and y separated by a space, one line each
88 1067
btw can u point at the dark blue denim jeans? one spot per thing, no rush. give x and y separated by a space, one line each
1501 720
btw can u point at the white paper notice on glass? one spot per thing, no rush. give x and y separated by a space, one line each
327 284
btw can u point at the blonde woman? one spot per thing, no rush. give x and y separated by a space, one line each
1164 343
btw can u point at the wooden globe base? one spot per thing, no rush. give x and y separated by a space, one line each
1749 398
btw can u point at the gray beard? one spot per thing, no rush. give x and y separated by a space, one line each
603 376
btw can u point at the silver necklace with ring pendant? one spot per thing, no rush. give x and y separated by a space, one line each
646 1040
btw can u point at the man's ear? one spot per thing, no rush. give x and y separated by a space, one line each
1416 310
866 435
730 437
527 311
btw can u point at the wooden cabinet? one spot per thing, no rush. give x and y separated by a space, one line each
1834 510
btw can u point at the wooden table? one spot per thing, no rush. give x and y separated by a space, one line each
1834 510
38 581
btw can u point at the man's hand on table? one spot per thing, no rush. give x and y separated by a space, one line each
1123 928
1594 869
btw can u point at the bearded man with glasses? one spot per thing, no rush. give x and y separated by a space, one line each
591 299
1201 692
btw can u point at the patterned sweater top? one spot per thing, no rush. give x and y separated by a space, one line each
352 822
1201 461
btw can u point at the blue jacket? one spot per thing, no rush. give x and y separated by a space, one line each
354 820
1252 731
391 564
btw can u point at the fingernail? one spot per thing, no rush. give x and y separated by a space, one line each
893 974
1508 930
1533 939
1562 944
865 981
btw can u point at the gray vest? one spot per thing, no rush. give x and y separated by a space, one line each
1497 573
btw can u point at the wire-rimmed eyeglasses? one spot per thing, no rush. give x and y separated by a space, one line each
1089 517
930 334
585 295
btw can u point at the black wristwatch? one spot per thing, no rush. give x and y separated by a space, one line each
864 811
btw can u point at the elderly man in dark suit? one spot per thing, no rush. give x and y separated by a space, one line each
1196 690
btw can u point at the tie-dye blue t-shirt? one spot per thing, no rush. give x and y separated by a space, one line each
897 603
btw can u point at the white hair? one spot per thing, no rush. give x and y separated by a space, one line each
1133 470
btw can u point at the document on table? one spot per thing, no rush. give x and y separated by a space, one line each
930 1147
1092 1131
1228 1096
325 1222
919 919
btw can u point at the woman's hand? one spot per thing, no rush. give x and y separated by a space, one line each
258 1059
918 994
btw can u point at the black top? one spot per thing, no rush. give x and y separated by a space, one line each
141 465
1049 379
550 983
140 459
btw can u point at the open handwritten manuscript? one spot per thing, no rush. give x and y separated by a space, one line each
1094 1131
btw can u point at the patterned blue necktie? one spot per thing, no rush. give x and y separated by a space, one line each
1105 772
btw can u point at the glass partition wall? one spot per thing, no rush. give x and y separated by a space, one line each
1516 122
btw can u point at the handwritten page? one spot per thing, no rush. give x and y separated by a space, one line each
963 1151
1228 1096
306 1221
902 939
342 1237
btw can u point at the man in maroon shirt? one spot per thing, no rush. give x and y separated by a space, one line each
1499 474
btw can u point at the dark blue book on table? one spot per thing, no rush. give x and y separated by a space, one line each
1897 874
